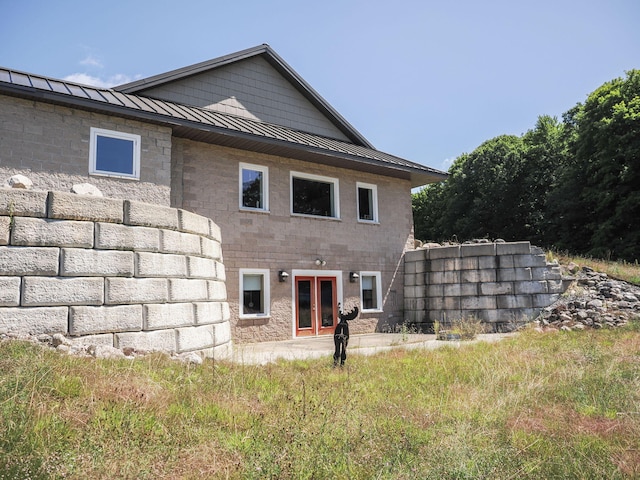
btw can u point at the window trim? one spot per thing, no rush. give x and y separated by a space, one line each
374 201
318 178
93 152
266 285
265 188
378 280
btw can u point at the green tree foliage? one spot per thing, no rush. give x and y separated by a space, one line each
572 185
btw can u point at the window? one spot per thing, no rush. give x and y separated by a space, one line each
367 202
254 288
370 291
254 187
114 153
314 195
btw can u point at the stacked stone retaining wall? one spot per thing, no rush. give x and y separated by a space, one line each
500 284
115 272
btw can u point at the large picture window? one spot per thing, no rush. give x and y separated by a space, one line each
314 195
367 202
254 288
114 153
254 187
370 291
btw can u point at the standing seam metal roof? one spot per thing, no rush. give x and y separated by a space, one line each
215 127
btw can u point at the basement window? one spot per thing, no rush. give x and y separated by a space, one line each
115 154
254 288
370 291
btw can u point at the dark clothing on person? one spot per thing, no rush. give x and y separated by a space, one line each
341 340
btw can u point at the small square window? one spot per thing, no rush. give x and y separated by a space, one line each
367 202
114 154
254 187
254 288
370 292
314 195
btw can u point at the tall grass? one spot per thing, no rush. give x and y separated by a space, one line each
563 405
621 270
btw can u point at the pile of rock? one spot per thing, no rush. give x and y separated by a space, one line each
594 301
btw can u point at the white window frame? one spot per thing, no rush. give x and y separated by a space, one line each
378 280
266 285
374 201
93 152
265 186
317 178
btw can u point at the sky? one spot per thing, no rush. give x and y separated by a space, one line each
424 80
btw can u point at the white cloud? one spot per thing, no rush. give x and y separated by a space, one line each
91 61
446 164
113 80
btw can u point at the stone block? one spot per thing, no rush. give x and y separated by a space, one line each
160 265
487 262
546 273
85 207
409 279
415 303
444 264
29 261
180 243
421 267
195 338
208 312
226 312
99 339
93 320
467 263
514 301
410 267
111 236
155 341
217 290
495 288
50 291
532 287
147 215
193 223
57 233
443 303
443 252
543 300
555 286
415 256
220 272
460 289
443 277
23 203
159 316
10 291
121 290
477 276
505 261
5 230
221 352
478 249
210 248
222 333
188 290
529 261
514 274
436 290
34 321
477 303
199 267
214 231
513 248
83 262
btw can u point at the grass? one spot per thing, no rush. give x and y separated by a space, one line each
621 270
562 405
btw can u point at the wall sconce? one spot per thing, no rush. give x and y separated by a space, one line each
320 262
353 277
282 276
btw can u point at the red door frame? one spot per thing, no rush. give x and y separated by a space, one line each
314 301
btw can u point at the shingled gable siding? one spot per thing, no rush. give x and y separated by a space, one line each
96 269
50 145
500 284
277 240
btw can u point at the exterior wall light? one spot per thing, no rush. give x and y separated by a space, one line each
282 276
353 277
320 262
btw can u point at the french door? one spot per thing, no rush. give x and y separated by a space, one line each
316 305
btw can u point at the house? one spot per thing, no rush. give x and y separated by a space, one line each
312 216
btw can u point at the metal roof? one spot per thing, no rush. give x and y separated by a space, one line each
218 128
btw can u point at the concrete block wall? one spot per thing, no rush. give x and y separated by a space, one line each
500 284
116 272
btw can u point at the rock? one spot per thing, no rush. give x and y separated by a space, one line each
20 181
86 189
107 352
594 303
58 339
190 358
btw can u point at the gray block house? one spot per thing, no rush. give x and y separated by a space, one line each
311 214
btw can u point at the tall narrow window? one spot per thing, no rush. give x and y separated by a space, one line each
370 291
367 202
254 187
314 195
254 288
114 153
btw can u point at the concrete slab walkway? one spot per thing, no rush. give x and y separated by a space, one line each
322 346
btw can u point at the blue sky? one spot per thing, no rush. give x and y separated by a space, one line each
424 80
